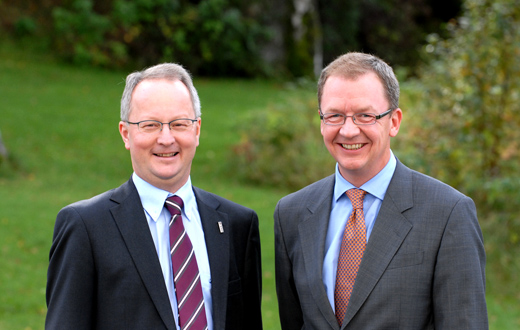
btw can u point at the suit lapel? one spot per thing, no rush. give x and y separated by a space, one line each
389 232
313 231
217 245
131 221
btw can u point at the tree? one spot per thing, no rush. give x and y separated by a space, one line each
466 123
3 149
6 161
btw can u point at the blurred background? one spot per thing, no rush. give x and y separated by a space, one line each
236 38
255 65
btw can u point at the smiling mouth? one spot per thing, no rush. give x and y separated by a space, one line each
352 146
171 154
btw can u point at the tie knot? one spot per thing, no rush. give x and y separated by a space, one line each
174 204
356 197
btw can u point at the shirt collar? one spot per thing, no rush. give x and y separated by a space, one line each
376 186
153 198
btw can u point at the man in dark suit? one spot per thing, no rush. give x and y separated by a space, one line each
111 266
411 254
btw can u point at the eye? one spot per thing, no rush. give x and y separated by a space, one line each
149 124
332 116
181 124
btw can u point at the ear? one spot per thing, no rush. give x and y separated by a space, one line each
198 123
123 130
395 121
322 125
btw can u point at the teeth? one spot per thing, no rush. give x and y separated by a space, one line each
352 146
167 155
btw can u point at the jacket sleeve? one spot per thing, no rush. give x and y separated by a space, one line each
70 275
459 278
291 317
253 277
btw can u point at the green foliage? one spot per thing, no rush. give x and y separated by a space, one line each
282 146
215 38
300 42
466 123
391 29
211 37
25 26
225 37
80 35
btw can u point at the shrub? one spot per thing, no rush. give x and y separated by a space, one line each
211 37
282 146
466 124
80 34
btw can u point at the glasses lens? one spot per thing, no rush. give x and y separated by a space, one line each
181 124
149 126
365 118
333 119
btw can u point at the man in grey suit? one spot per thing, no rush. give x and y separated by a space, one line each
422 261
111 266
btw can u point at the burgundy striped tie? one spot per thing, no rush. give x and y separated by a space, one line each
192 314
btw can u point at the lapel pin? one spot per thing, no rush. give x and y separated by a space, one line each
220 227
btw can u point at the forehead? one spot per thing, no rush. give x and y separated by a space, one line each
154 87
155 96
364 91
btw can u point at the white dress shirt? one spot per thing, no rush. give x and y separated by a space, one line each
153 199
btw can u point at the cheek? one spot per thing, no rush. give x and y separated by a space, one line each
139 144
189 141
329 134
324 132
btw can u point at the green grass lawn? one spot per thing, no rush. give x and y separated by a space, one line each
60 124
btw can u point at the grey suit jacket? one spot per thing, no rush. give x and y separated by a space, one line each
423 266
104 272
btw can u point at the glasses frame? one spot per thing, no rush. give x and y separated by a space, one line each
354 118
162 124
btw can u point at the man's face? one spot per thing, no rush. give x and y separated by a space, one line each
164 158
360 150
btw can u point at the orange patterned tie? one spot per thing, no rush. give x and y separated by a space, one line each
350 254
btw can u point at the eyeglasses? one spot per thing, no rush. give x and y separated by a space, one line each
334 119
154 126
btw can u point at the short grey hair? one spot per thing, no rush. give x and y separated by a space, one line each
353 65
168 71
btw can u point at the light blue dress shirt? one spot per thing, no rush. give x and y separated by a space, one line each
158 218
340 212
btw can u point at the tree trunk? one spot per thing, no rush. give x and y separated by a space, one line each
3 149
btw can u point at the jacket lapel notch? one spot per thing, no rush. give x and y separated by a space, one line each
389 232
133 226
216 235
313 231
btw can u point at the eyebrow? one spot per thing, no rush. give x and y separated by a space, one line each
367 109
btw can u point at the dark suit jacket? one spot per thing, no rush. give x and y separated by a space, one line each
104 272
423 266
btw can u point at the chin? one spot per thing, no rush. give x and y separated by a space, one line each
351 166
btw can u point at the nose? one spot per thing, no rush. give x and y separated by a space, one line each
166 136
349 128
